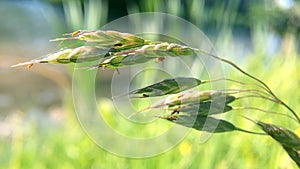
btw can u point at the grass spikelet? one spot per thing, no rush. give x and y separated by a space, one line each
282 135
167 86
80 54
203 108
110 39
205 123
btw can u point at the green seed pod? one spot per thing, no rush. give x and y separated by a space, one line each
203 123
133 59
58 57
80 54
117 61
86 54
204 108
195 96
167 86
282 135
110 39
228 99
179 50
110 63
165 49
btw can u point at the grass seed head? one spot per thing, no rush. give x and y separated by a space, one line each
284 136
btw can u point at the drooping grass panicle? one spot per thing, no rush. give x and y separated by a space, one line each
190 108
133 50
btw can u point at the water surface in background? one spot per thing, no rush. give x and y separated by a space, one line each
25 33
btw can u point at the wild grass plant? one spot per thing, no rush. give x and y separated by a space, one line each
67 145
191 108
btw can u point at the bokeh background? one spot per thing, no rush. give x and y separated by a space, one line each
38 125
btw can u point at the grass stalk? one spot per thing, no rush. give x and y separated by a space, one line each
279 101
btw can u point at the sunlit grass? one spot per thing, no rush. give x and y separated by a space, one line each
67 146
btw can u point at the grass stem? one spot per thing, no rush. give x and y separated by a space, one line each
254 78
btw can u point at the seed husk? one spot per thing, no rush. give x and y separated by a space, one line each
202 123
203 108
167 86
110 39
80 54
197 96
282 135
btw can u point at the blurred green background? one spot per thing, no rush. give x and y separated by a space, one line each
38 125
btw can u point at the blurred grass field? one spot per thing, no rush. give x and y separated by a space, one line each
55 139
65 145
